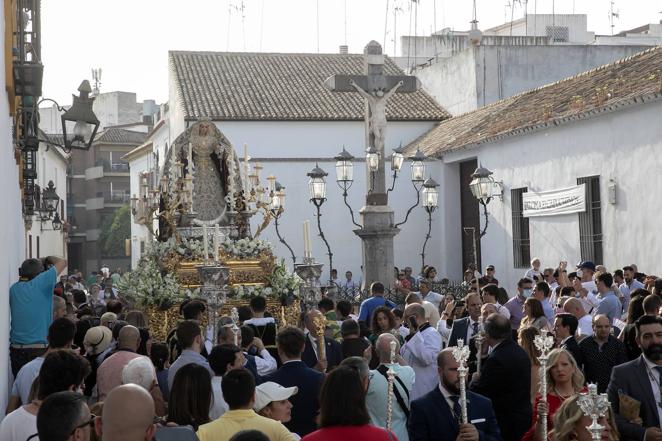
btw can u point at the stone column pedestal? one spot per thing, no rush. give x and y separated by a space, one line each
377 238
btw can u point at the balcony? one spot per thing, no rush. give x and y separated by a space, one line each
115 196
104 168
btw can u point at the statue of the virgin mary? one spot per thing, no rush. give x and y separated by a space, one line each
207 157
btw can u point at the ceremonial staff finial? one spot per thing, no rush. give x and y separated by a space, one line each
391 378
544 344
595 406
461 355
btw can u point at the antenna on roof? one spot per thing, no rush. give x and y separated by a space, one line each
96 77
612 15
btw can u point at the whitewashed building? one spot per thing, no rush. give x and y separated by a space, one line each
600 128
277 105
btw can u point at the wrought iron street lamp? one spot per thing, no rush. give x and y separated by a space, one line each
79 123
57 222
345 177
430 203
50 199
397 159
417 178
484 188
276 209
317 189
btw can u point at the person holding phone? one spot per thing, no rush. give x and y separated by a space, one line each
420 350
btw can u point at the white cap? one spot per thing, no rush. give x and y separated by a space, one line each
267 392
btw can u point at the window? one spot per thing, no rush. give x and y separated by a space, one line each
521 239
590 221
30 246
38 250
559 34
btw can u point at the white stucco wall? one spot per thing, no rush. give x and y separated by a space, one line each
12 231
479 76
624 146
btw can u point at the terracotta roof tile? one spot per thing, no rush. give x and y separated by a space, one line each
636 78
273 86
113 135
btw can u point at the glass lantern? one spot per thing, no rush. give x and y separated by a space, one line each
372 159
317 185
344 167
430 194
50 198
418 167
397 158
482 185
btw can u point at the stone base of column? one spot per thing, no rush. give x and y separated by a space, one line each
377 237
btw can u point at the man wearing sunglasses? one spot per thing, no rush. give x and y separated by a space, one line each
64 416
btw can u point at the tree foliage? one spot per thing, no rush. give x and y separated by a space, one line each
114 230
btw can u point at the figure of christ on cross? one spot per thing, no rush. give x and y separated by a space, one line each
377 111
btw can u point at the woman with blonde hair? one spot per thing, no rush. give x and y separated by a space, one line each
564 379
525 340
570 423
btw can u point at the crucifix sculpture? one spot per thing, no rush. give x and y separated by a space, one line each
376 88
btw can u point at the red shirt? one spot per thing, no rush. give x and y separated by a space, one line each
553 404
345 433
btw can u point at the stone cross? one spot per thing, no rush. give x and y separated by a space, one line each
376 88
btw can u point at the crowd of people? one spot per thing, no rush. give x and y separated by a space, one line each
85 366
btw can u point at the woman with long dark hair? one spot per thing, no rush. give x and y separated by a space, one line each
190 396
343 413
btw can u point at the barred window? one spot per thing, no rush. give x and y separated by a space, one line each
559 34
521 239
590 221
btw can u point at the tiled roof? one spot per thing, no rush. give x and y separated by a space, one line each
270 86
632 80
113 135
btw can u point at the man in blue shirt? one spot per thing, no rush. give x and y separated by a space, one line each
31 305
369 305
609 304
542 293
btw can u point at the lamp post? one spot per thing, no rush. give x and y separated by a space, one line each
317 189
276 209
417 178
430 203
397 159
345 177
483 188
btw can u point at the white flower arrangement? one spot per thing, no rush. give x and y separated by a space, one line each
246 247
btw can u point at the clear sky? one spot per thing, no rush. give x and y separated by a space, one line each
130 39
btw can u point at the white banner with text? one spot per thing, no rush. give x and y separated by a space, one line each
554 202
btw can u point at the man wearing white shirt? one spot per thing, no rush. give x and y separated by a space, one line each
585 286
424 293
420 350
465 328
348 285
574 306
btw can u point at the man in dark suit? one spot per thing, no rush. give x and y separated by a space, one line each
439 411
640 379
310 353
505 378
565 327
466 327
294 372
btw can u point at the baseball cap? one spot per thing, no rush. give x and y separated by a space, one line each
97 340
489 268
108 317
267 392
586 264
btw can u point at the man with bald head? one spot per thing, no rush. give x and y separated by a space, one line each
420 350
601 352
109 374
310 354
377 397
574 306
128 414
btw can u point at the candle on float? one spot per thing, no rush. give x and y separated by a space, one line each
205 242
217 234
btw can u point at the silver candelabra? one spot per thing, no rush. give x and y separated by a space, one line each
213 276
594 405
309 290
